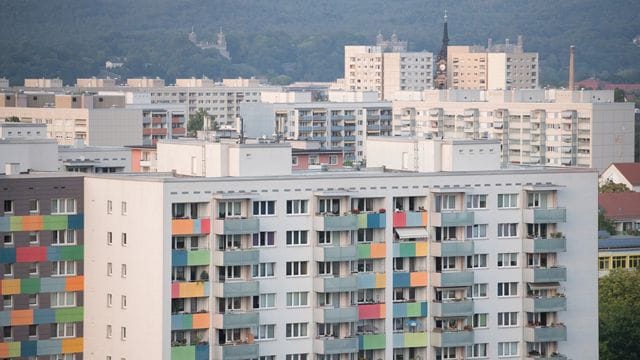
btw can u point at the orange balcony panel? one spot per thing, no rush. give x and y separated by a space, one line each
11 287
75 283
419 278
72 345
21 317
201 321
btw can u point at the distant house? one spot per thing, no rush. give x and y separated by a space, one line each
618 252
623 208
622 173
302 159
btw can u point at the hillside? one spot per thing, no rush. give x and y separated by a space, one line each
302 39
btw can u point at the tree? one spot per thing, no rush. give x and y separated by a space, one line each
618 95
12 119
605 224
196 122
610 187
619 312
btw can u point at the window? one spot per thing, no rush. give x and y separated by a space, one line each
603 263
363 265
479 291
123 333
314 160
333 159
508 348
123 270
109 269
63 268
479 321
8 206
109 238
507 289
266 332
477 261
34 206
63 237
109 206
229 209
507 319
325 237
297 268
63 299
294 160
264 238
297 299
34 237
177 210
476 351
63 330
109 331
264 301
7 332
329 206
297 207
448 353
534 200
507 201
477 231
123 239
263 270
33 331
8 270
618 262
506 260
123 301
7 301
123 208
65 206
448 262
296 330
33 269
7 239
297 237
296 357
508 230
476 201
445 202
264 208
109 300
634 261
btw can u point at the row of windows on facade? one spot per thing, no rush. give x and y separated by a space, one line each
58 268
58 238
619 262
58 331
58 206
57 300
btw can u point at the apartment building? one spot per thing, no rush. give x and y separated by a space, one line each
94 159
366 264
25 147
43 83
496 67
553 127
41 281
375 68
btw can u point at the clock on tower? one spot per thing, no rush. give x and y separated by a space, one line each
440 77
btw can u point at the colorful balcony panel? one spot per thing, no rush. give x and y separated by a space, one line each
371 311
40 347
189 289
41 253
190 321
37 285
41 316
410 340
190 258
410 309
41 222
372 221
371 342
406 279
410 218
370 280
192 352
190 226
371 251
410 249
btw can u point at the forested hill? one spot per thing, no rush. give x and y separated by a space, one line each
302 39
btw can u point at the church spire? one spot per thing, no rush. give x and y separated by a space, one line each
445 38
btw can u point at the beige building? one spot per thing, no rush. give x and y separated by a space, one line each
144 82
557 128
43 83
497 67
370 68
94 82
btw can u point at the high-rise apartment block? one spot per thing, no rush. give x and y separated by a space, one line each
367 264
41 254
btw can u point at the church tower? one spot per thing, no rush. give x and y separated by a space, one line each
440 78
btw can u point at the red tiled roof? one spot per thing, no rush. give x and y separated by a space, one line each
631 171
621 205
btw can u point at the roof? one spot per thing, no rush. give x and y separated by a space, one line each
618 242
620 205
631 171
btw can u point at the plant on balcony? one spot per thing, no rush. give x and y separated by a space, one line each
382 211
355 211
556 235
204 276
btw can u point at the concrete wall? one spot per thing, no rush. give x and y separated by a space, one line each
37 155
115 127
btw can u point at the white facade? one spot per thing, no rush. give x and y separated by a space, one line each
542 236
27 146
94 159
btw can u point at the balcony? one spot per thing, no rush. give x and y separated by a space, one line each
545 304
409 279
189 257
331 346
236 226
371 251
372 221
335 253
410 340
403 219
410 249
452 218
452 248
184 289
409 309
236 288
452 279
545 245
545 333
541 275
335 284
553 356
370 280
461 308
190 226
190 321
336 222
236 320
545 216
236 257
335 315
371 342
372 311
454 338
191 352
236 351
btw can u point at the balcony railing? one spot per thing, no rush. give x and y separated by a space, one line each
453 218
236 226
456 308
236 288
545 304
410 219
557 332
336 315
335 253
409 309
336 222
335 284
331 345
236 257
452 279
452 248
410 339
440 338
545 245
545 216
236 320
551 274
371 341
237 351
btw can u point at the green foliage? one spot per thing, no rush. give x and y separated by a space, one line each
196 121
12 119
618 95
610 187
605 224
619 315
304 39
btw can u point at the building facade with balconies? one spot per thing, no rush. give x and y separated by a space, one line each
344 265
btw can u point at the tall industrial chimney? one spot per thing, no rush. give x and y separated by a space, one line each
571 66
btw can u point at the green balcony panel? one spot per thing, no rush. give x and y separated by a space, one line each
456 248
71 252
241 257
241 226
410 309
462 308
337 315
240 320
545 215
371 342
339 284
340 223
451 338
545 334
198 257
458 218
54 222
538 275
329 346
240 352
410 340
339 253
240 288
457 278
545 304
548 245
69 314
30 286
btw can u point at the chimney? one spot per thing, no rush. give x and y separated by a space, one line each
571 66
12 168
